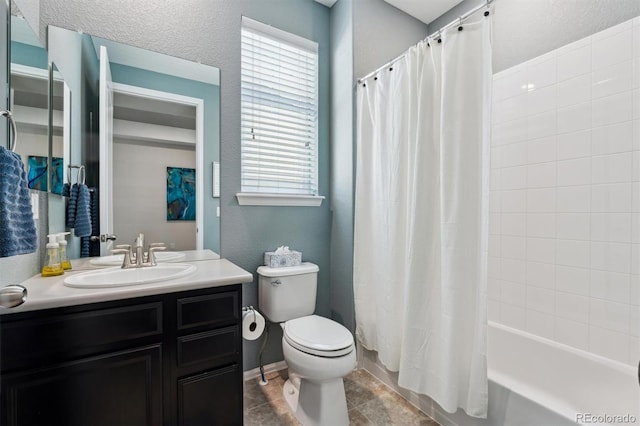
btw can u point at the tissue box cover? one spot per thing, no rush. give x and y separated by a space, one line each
273 260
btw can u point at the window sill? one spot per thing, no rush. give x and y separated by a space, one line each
259 199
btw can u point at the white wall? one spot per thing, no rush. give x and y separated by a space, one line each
565 199
140 194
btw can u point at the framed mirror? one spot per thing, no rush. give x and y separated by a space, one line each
145 127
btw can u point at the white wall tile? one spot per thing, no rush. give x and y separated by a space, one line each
635 228
611 227
495 179
515 83
541 250
510 131
542 73
495 201
636 38
513 178
541 150
493 289
512 293
611 31
513 247
636 72
612 79
612 257
514 154
576 117
513 224
610 286
495 246
541 300
493 310
609 343
635 257
510 109
610 315
574 62
540 324
612 50
494 223
573 307
572 333
634 350
573 280
568 48
514 270
635 197
636 103
494 268
612 168
541 200
512 316
574 91
542 125
613 197
636 166
541 275
612 109
544 99
542 225
574 253
634 321
574 199
514 201
636 134
573 226
574 172
574 144
612 139
542 175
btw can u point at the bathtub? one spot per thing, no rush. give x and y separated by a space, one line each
537 381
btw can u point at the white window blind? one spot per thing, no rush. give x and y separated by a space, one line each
279 111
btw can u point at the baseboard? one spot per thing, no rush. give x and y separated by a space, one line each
269 368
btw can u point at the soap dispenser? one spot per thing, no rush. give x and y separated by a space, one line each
62 250
53 266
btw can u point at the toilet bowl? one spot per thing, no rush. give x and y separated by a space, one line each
319 352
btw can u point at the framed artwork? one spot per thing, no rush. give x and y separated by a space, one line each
37 174
181 193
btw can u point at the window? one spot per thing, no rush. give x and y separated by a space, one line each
279 113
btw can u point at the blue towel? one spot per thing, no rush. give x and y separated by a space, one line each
83 212
17 228
72 204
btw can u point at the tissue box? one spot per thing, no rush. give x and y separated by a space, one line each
273 260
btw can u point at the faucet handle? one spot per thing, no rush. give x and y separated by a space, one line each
127 255
154 247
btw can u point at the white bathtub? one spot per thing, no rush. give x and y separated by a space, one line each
537 381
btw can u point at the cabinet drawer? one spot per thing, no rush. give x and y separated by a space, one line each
211 346
64 336
211 310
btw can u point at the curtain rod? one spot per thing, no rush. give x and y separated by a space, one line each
459 20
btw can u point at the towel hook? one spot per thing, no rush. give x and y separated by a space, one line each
83 173
14 130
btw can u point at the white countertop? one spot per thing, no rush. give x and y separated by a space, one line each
50 292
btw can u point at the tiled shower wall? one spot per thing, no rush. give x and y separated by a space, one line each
564 249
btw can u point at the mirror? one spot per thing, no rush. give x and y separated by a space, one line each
145 126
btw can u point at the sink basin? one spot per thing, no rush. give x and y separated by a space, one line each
118 277
116 259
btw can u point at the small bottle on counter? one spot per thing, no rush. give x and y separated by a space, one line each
52 267
62 250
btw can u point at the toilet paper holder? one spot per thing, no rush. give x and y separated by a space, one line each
253 325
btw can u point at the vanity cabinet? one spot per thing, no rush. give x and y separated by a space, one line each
166 359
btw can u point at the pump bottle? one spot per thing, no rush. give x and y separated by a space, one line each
53 266
62 250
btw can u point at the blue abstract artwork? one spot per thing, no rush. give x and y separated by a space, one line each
37 174
181 193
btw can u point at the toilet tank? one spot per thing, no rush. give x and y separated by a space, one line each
287 293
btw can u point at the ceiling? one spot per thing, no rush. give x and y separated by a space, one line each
424 10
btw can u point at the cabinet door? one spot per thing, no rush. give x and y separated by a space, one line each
121 388
211 398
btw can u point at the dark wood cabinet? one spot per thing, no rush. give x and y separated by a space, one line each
166 359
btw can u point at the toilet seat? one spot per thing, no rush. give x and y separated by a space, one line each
318 336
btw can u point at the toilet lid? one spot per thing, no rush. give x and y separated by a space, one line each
318 336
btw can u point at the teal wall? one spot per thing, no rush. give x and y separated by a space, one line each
29 55
210 94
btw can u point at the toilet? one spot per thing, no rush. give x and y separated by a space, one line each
319 352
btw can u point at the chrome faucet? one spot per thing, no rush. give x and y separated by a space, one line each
138 259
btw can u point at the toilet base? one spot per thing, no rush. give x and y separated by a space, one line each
317 403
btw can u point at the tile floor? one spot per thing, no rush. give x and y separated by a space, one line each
370 402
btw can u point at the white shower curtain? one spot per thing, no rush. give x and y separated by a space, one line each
421 217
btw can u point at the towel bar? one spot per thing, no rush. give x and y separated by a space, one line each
14 130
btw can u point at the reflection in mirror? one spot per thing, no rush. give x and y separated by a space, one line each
151 135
